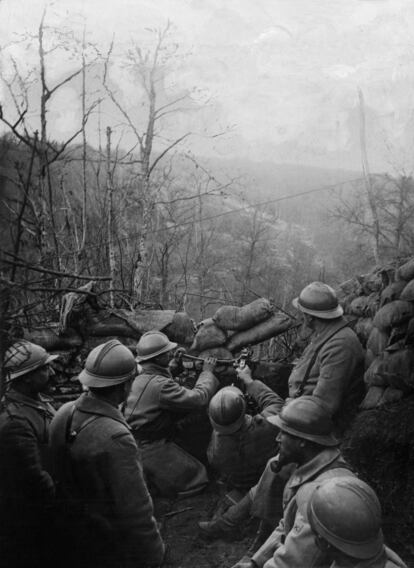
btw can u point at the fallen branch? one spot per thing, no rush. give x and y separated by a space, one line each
173 513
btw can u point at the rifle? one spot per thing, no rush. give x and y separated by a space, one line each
245 358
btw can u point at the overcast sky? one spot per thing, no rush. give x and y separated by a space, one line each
283 74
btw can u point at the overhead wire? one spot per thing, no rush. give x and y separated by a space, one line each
137 234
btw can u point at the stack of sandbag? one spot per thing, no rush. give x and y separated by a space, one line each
178 326
382 303
231 328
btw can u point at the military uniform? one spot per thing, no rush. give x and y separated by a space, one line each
386 559
102 490
155 403
240 457
26 487
292 543
336 376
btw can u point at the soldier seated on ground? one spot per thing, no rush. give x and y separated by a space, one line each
310 450
242 444
155 404
345 515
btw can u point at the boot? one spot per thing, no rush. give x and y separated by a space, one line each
227 526
219 528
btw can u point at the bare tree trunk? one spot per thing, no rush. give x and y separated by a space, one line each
84 149
200 244
368 182
110 192
72 226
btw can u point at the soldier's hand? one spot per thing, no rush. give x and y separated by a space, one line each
244 562
176 364
178 353
209 364
244 374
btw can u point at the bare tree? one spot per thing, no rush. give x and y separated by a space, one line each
148 68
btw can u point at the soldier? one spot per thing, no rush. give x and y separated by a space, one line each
345 515
106 510
306 440
241 444
26 487
331 369
154 405
332 366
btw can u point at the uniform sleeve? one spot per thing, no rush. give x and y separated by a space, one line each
270 403
337 361
176 397
132 505
266 551
298 549
21 452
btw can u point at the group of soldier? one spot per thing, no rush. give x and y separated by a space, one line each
76 485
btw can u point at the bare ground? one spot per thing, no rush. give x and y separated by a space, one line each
185 548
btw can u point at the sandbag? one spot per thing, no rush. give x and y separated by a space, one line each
406 271
275 325
371 282
181 330
390 395
208 335
377 341
105 325
373 377
409 334
373 304
392 292
369 357
363 328
397 369
394 313
218 352
359 306
129 323
372 398
50 339
351 286
94 340
407 293
245 317
346 303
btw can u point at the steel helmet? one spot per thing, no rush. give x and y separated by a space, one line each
319 300
306 417
152 344
107 365
24 357
227 409
346 512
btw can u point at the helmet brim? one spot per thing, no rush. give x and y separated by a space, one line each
360 550
169 347
38 364
88 379
228 428
323 314
323 440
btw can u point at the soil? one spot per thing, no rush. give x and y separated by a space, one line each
185 548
